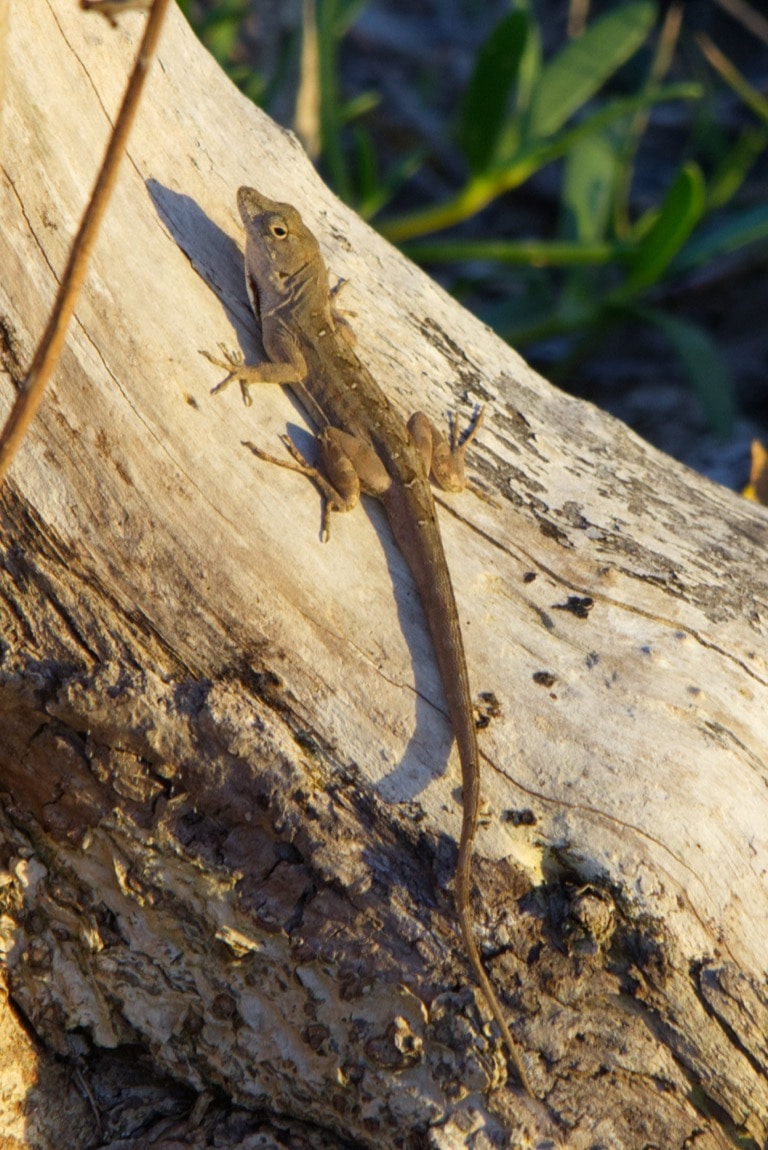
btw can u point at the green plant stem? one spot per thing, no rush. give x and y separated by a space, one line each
527 253
660 65
480 190
474 196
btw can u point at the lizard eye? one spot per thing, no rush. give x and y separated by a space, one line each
280 231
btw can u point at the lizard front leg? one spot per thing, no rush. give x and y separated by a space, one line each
248 374
286 364
443 458
350 465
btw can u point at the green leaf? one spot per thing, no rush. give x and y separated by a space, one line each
221 37
366 164
586 207
530 63
359 106
611 112
336 17
590 176
484 187
485 107
680 212
375 191
704 366
728 235
736 165
378 198
579 69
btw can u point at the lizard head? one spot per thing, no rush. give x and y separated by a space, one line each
278 241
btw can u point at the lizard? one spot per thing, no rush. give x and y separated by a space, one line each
365 446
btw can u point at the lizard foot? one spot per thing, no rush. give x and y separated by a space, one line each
304 467
234 364
444 458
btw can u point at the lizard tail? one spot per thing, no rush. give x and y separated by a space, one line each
463 907
423 551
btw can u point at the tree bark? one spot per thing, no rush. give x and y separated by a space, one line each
228 804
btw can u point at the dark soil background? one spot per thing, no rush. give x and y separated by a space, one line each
417 55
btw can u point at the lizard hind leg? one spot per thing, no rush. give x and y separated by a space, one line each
333 500
443 458
349 466
352 465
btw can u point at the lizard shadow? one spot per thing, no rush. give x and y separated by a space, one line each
218 260
215 257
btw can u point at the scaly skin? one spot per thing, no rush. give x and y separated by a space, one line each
365 445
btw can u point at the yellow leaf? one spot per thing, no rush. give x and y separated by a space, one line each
757 488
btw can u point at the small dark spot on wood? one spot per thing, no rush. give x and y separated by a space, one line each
10 351
442 341
529 577
194 1022
307 741
578 605
521 818
550 530
123 473
190 399
572 514
487 709
546 620
223 1006
315 1035
592 660
353 986
544 678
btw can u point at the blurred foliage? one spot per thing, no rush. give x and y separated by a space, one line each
218 27
757 488
610 263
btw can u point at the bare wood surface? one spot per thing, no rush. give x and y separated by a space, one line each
229 806
49 347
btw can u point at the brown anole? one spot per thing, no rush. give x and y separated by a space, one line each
365 446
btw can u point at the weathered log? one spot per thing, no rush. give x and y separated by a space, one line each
229 807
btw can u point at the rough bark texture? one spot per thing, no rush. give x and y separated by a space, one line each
227 804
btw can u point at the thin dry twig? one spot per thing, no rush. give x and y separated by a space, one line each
746 15
307 116
47 355
578 13
733 77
